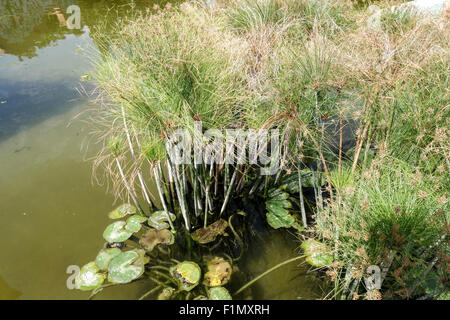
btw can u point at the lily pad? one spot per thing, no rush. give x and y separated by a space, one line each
219 293
277 204
143 258
317 253
122 211
320 259
134 223
125 267
89 277
116 232
159 220
278 217
166 293
187 274
154 237
219 272
105 256
210 233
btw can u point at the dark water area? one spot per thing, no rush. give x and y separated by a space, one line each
51 214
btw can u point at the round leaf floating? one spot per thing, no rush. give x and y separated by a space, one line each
187 274
124 269
210 233
159 220
219 272
219 293
317 253
122 211
116 232
89 277
105 256
134 223
154 237
278 216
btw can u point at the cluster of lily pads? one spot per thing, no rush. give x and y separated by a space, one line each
130 250
114 265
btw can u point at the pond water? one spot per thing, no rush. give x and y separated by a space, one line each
51 214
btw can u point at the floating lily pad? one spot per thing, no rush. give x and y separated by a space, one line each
280 203
89 277
219 293
105 256
125 267
277 204
187 274
143 258
122 211
159 220
320 259
154 237
278 217
134 223
116 232
317 253
166 293
210 233
219 272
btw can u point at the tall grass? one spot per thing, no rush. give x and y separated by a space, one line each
386 211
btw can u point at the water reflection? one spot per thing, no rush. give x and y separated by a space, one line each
26 25
43 59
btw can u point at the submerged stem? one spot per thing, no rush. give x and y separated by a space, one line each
248 284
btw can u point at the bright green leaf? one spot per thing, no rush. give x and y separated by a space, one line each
159 219
122 211
134 223
105 256
187 274
89 277
116 232
219 293
125 267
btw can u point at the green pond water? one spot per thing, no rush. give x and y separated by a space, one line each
51 214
